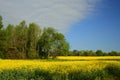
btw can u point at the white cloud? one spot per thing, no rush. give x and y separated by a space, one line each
60 14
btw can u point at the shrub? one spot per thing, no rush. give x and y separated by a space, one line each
113 70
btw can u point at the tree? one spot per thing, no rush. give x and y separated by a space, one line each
99 53
2 43
33 36
11 49
1 23
44 43
21 38
113 53
2 39
59 46
52 43
86 53
10 32
75 53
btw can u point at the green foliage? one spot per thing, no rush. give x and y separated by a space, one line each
114 53
99 53
92 53
113 70
22 41
92 75
45 42
1 24
2 55
3 44
109 73
52 43
25 74
10 32
21 37
33 36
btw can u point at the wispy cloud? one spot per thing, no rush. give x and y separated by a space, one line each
60 14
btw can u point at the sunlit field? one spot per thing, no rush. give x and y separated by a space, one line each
89 58
63 68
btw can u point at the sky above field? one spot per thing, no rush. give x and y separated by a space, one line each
87 24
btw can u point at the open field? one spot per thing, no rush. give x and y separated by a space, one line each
91 68
89 58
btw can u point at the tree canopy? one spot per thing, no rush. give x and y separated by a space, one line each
52 43
30 41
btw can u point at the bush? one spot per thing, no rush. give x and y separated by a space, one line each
113 70
91 75
37 74
25 74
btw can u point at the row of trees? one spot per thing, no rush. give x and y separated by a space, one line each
93 53
30 41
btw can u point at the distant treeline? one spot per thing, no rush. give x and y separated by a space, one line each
93 53
30 41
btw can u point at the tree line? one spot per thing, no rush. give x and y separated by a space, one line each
30 41
93 53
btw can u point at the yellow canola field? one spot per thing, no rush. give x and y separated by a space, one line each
53 66
89 58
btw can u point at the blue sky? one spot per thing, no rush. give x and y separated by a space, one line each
101 30
87 24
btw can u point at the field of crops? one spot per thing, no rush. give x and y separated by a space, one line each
63 68
89 58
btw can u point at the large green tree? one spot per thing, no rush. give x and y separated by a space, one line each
60 45
2 39
21 38
2 43
52 43
99 53
33 36
44 43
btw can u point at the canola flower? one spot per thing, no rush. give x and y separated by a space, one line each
62 67
71 69
89 58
